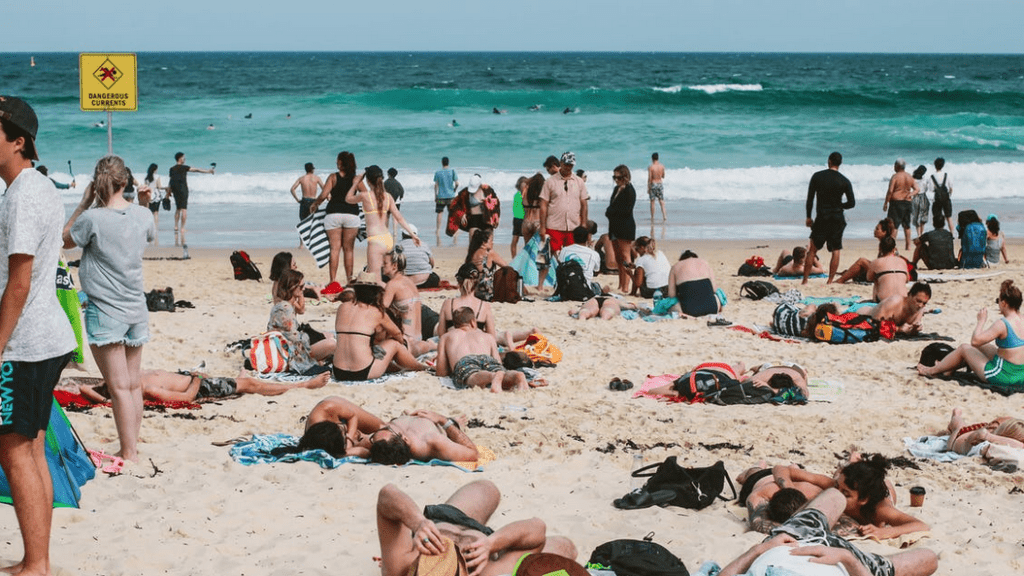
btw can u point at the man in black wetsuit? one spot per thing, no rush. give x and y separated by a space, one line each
827 229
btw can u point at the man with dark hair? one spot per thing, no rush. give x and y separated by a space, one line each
563 204
551 165
309 183
588 258
470 356
656 185
897 204
36 340
831 188
179 189
446 182
423 435
935 248
905 311
941 189
394 187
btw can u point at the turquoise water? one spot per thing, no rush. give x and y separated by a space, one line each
747 130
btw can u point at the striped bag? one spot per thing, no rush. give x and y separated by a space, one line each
269 353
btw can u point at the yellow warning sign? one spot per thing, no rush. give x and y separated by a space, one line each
108 82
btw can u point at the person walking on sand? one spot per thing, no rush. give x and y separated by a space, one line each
898 204
309 183
446 182
36 340
830 187
179 189
656 185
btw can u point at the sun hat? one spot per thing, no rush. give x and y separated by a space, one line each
19 113
569 158
448 563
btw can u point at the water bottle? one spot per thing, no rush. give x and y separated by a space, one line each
638 463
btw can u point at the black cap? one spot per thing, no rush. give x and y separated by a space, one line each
18 112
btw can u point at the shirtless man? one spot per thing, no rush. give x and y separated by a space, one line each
888 272
768 504
407 532
421 435
905 311
164 386
470 356
897 205
309 183
791 264
656 185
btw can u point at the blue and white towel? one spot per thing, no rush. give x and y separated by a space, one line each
259 451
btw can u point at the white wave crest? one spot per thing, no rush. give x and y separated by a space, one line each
716 88
669 89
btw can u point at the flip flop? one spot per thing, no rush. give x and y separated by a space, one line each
641 498
615 383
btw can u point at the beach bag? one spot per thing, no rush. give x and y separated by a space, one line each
704 379
508 285
973 243
695 488
636 558
852 327
244 267
160 300
740 393
941 193
758 289
933 353
540 350
485 287
754 266
571 283
269 353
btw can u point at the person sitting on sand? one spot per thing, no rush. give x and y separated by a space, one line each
904 311
791 264
889 272
1004 430
651 269
304 357
604 306
996 353
458 528
164 386
870 498
589 260
422 435
805 545
403 299
356 357
470 356
935 248
777 377
791 320
419 262
468 277
692 282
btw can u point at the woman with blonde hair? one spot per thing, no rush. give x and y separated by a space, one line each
113 233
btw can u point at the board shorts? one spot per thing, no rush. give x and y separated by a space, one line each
828 231
920 210
810 527
1004 375
899 211
26 394
471 364
180 200
340 220
517 226
104 330
154 207
656 191
304 206
216 387
441 203
559 239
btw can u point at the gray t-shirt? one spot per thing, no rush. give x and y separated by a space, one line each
417 258
112 243
31 219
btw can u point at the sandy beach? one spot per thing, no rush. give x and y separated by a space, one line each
562 452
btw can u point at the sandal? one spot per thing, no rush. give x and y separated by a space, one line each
641 498
620 385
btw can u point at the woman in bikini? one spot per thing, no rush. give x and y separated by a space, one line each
403 299
996 353
1005 430
356 357
468 278
377 204
304 357
889 271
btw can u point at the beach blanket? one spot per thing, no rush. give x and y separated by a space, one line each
791 296
74 402
837 300
259 451
941 277
291 377
314 237
800 277
934 448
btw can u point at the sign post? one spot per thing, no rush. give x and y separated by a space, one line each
108 82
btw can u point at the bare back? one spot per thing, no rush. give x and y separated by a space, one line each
309 183
462 342
889 274
655 172
901 184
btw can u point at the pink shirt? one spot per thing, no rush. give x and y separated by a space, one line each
565 198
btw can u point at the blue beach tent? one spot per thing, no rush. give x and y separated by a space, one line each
70 466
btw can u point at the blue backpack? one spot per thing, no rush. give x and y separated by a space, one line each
973 245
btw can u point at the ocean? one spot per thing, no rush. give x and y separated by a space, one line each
740 134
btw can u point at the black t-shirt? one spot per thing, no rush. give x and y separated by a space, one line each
831 187
394 187
179 178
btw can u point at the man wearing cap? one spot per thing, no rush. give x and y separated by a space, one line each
563 204
446 182
456 532
36 340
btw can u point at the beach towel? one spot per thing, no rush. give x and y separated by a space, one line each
530 373
75 402
934 448
800 277
295 377
791 296
314 237
68 298
837 300
259 451
822 390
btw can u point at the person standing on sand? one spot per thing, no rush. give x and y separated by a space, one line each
941 188
36 340
309 183
656 185
179 189
563 204
827 229
897 204
446 182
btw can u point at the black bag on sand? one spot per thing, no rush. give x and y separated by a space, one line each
934 352
160 300
758 289
636 558
749 270
695 488
244 267
571 283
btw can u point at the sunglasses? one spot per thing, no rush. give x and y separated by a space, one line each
566 184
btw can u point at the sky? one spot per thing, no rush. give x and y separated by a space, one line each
888 26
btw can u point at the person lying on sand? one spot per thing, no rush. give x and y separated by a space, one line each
410 534
470 356
769 505
791 320
604 306
778 377
791 264
164 386
1004 430
904 311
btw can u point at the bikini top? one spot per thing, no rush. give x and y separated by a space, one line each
473 201
884 272
1011 340
373 203
449 323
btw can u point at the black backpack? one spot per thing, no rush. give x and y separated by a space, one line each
160 300
941 193
695 488
571 283
636 558
934 353
758 289
749 270
245 269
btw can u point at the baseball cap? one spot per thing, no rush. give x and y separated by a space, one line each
413 229
569 158
17 112
474 183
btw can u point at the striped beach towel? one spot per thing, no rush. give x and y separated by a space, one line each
314 237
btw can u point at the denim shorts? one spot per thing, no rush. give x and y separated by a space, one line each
104 330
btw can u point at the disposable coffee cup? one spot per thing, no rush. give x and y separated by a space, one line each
917 496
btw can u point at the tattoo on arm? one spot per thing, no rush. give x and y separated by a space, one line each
758 518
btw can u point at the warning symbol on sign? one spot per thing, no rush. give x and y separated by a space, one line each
107 74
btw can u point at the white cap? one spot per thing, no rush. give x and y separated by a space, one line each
474 183
412 228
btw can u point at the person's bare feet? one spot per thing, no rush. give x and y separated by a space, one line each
924 370
537 383
318 381
12 569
